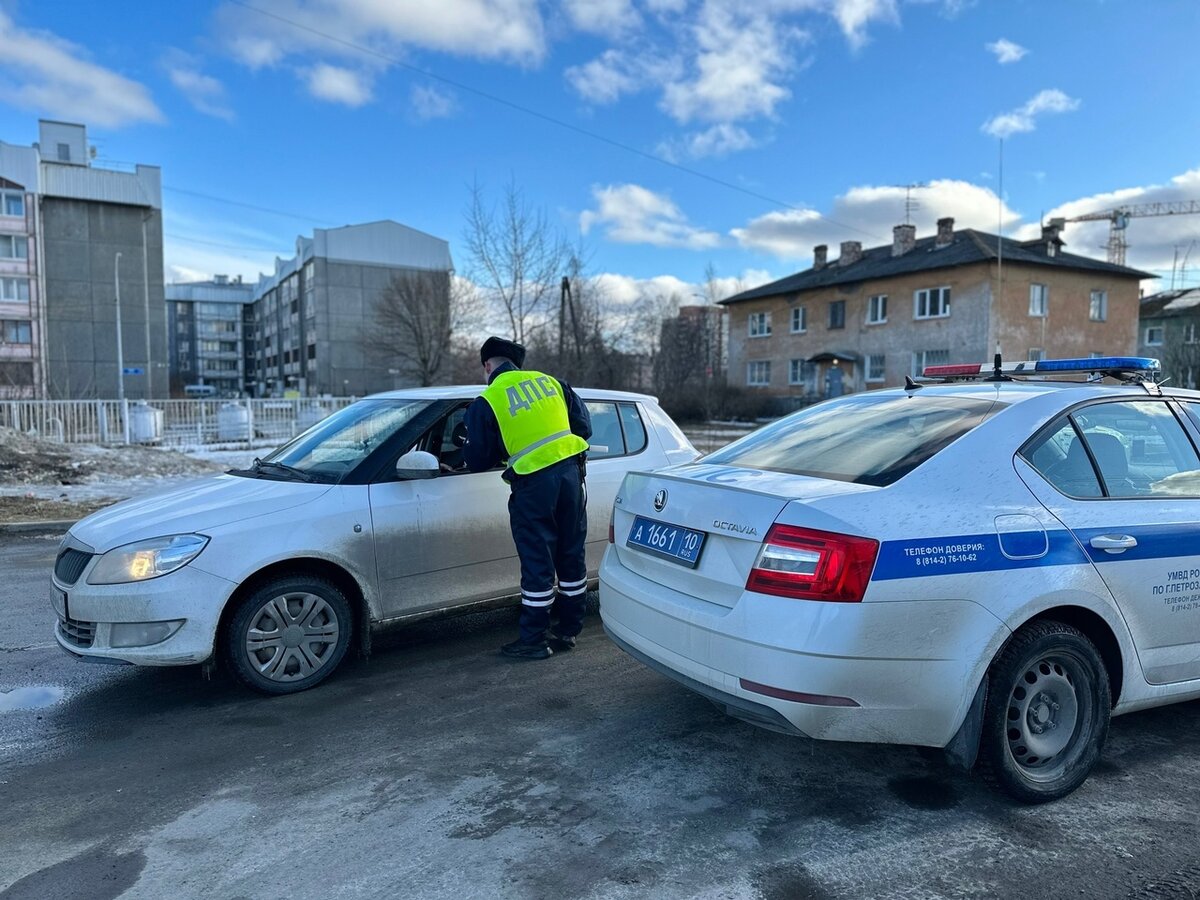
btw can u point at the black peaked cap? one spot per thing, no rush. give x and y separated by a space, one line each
498 346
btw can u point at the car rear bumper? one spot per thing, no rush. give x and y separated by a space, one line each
898 672
85 618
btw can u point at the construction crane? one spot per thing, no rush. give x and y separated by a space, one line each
1118 220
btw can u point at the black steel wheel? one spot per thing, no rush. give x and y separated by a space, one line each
1046 715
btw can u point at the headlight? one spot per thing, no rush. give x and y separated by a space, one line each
147 559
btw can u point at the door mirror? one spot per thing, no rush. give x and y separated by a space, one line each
417 464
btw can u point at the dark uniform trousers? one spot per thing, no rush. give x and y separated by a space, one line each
548 514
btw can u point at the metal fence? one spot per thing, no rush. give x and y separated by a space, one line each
169 423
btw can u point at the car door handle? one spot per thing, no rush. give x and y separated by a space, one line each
1114 543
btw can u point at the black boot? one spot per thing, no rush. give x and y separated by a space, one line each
518 649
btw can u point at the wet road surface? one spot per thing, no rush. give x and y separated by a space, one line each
440 769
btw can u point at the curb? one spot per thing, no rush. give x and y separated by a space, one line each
51 527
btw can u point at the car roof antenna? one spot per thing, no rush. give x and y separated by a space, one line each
910 385
997 375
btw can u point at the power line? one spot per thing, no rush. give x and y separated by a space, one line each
265 209
529 111
191 240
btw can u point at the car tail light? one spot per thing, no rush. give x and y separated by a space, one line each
612 534
807 564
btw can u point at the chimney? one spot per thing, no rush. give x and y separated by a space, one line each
945 233
1051 238
904 238
851 253
819 254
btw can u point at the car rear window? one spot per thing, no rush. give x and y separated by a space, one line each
863 439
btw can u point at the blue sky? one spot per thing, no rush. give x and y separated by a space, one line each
812 113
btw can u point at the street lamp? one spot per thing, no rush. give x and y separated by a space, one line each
120 351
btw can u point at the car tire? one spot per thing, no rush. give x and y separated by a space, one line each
288 635
1046 715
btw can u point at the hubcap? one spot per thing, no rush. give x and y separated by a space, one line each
291 636
1043 712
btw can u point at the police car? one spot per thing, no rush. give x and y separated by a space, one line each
993 562
367 518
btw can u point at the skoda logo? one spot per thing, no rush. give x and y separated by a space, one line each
660 500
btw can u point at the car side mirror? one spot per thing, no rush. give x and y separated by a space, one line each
417 464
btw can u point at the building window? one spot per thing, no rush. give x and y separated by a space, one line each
12 203
16 332
64 152
837 314
13 246
799 371
799 319
1098 308
923 358
875 367
931 303
760 324
1039 296
14 290
312 351
1154 336
1036 353
1190 335
758 373
877 309
16 374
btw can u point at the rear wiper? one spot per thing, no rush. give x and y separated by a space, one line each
261 466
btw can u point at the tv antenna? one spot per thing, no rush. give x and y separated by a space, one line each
911 205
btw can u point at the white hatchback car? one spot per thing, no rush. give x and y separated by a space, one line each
363 519
993 567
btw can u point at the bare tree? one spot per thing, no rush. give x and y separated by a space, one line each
413 322
517 259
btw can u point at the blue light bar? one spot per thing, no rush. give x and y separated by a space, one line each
1100 364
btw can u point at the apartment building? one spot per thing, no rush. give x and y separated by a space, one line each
76 237
210 328
871 317
1169 331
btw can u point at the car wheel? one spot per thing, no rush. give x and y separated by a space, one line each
1046 715
289 635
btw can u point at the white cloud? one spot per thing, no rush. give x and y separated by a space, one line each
485 29
46 74
855 15
338 85
1152 240
604 79
611 18
628 291
204 92
631 214
717 141
740 68
1024 118
1006 51
430 103
791 234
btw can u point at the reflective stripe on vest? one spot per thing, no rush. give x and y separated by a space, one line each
534 424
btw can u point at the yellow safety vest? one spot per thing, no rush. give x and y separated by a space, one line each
532 414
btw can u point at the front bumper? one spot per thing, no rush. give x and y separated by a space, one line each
911 667
86 614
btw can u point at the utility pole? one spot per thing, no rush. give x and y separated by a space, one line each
120 351
146 301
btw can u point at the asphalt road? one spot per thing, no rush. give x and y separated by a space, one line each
440 769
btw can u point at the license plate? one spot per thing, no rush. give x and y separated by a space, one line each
673 542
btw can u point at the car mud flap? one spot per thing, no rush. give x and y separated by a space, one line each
963 749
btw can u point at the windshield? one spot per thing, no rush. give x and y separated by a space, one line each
334 446
865 439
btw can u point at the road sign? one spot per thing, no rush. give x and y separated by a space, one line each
132 371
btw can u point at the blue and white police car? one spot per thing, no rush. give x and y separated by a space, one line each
994 562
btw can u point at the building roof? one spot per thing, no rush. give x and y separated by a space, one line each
967 246
1170 304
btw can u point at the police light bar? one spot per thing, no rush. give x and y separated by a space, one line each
1047 366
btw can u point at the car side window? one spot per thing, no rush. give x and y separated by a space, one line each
606 440
1140 448
635 429
1063 461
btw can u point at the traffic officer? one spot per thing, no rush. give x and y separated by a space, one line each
538 428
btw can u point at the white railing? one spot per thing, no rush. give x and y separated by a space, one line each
170 423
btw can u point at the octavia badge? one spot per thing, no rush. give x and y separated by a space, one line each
660 500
